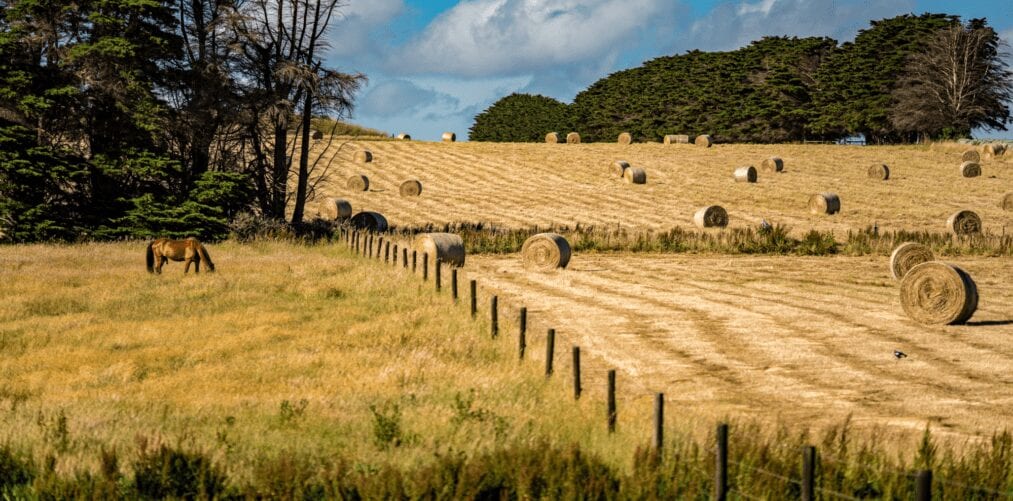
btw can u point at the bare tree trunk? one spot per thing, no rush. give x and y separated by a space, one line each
304 175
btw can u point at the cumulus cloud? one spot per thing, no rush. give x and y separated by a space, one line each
401 97
360 31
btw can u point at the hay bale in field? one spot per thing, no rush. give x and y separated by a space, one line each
369 221
403 137
936 293
552 138
364 156
449 137
317 135
625 138
970 169
993 150
618 168
746 174
635 175
410 188
964 222
336 209
442 247
1006 202
970 156
908 255
573 138
824 203
772 164
358 182
545 252
703 140
879 172
712 216
676 139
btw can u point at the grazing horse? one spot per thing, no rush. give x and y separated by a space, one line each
190 250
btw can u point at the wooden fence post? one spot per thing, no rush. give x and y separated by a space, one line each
369 247
494 316
474 297
379 247
809 473
576 372
611 411
550 347
425 266
436 275
386 253
415 255
453 283
659 422
721 466
394 256
522 341
404 257
923 486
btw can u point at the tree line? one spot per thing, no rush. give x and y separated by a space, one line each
903 79
142 118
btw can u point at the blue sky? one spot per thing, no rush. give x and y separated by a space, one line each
434 64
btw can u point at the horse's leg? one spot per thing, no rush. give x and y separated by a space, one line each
186 269
160 259
196 263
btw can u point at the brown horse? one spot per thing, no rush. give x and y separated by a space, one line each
190 250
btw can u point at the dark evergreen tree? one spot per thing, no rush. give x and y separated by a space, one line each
521 118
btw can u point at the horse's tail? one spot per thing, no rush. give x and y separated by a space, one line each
205 257
149 256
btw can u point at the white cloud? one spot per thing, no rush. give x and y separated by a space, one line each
359 30
763 7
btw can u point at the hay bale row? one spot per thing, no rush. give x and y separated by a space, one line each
403 137
1006 202
772 165
635 175
369 221
712 216
449 137
703 140
824 203
964 222
552 138
573 138
676 139
908 255
358 182
618 168
936 293
410 188
879 172
625 138
445 248
545 252
970 156
364 156
970 169
746 174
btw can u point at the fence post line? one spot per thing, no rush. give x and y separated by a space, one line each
659 423
923 486
522 341
809 473
721 466
576 372
550 348
611 410
474 297
453 283
436 275
494 316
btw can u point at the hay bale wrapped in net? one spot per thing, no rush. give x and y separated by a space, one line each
635 175
625 138
573 138
618 168
908 255
1006 202
964 222
704 140
552 138
410 188
364 156
545 252
970 156
336 209
824 203
449 137
404 137
369 221
676 139
446 248
317 135
772 164
970 169
358 182
937 293
879 172
745 174
712 216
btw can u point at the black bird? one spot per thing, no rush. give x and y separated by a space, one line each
899 354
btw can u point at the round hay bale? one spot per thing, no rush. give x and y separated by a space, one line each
703 140
364 156
358 182
625 138
964 222
442 247
336 209
635 175
936 293
993 150
618 168
970 156
545 252
879 172
772 164
369 221
552 138
410 188
746 174
404 137
317 135
676 139
1006 202
970 169
824 203
449 137
573 138
908 255
712 216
